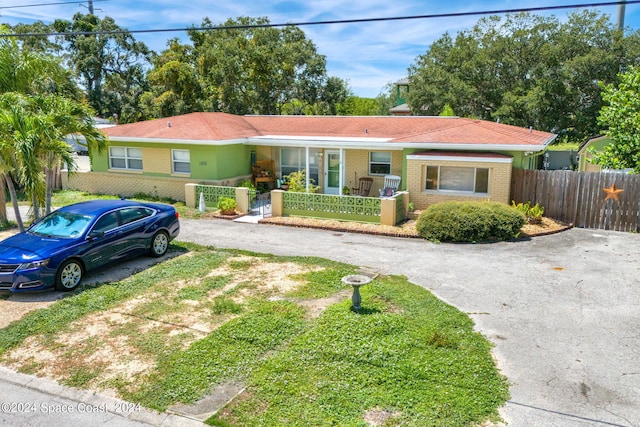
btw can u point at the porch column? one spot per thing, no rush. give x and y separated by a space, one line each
342 171
306 168
190 195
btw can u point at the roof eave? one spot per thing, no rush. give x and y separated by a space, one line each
178 141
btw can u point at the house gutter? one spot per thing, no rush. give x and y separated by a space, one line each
344 143
178 141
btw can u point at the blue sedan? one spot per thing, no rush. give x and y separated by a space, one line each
57 250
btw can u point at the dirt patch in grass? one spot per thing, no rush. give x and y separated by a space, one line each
16 306
122 345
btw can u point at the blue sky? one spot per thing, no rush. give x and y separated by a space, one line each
367 55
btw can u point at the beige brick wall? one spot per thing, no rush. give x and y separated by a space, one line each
127 185
499 183
156 160
357 166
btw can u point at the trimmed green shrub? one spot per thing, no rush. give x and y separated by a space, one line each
247 184
227 205
469 222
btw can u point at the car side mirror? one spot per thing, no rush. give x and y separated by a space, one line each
96 234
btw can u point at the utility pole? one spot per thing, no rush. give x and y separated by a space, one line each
621 8
90 7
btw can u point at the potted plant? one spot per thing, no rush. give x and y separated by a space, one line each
227 205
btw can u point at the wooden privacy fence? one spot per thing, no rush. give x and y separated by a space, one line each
579 198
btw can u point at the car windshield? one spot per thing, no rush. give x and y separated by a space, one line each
62 224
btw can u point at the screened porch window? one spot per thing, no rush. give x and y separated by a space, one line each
181 161
379 163
125 158
292 160
453 178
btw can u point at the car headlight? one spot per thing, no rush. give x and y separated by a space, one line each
33 264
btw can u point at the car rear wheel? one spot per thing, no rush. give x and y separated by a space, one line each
69 275
159 244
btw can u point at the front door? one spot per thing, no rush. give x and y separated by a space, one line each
331 172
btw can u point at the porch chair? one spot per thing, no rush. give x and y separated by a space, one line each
364 186
390 186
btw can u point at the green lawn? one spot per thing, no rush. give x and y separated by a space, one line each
405 358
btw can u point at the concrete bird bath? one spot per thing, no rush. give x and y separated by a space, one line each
356 280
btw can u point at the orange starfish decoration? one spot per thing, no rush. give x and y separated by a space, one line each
613 193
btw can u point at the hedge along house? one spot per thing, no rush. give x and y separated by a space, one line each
438 158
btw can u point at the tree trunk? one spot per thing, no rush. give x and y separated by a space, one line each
48 174
3 201
14 200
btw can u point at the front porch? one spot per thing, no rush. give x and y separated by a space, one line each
334 171
386 211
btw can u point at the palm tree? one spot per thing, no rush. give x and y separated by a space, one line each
17 138
67 119
31 73
33 132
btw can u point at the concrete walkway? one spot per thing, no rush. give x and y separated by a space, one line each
562 311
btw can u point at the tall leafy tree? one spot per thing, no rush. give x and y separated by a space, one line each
525 70
245 68
175 86
32 71
621 117
110 65
357 106
253 69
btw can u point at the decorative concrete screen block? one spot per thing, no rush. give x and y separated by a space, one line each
213 193
365 209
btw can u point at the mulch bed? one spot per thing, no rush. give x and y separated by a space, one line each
407 229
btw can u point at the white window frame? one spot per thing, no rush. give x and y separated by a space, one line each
174 161
474 184
300 164
128 158
377 162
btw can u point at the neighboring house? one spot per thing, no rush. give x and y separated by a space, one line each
438 158
597 143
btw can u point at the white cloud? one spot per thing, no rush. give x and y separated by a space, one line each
369 55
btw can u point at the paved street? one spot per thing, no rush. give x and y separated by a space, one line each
562 311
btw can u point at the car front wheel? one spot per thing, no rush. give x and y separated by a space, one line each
159 244
69 275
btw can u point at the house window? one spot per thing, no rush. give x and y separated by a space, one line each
454 178
379 163
292 160
125 158
181 161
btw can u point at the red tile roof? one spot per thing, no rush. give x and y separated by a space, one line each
461 154
405 131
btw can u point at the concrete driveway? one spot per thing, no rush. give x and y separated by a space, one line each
562 310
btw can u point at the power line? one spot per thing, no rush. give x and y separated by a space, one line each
46 4
337 21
